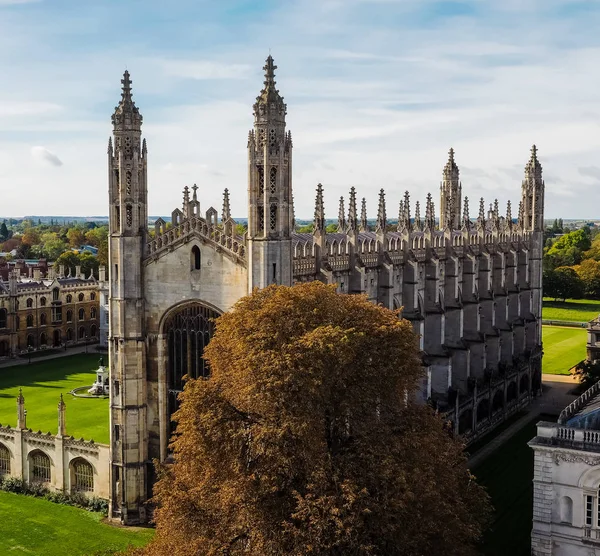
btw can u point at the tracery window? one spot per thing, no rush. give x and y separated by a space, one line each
93 313
273 218
93 296
261 181
82 476
82 314
43 301
93 331
272 138
69 316
118 216
69 298
261 219
39 467
129 216
43 319
273 180
55 294
188 332
29 321
81 297
128 182
4 460
29 303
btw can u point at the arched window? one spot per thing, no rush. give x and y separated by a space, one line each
69 298
3 314
195 258
43 301
69 334
4 460
82 476
43 340
29 321
93 296
69 316
81 314
29 340
81 297
39 467
93 331
29 302
93 313
43 319
188 332
273 180
81 332
55 294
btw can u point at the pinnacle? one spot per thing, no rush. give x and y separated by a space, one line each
269 68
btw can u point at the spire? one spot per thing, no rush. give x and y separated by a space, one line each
269 101
400 226
126 117
521 219
466 217
481 217
429 213
496 209
352 216
509 214
110 147
417 216
341 217
186 198
226 215
381 216
319 210
533 169
406 224
364 226
195 196
144 148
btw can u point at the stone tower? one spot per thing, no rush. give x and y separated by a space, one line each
270 213
450 195
127 358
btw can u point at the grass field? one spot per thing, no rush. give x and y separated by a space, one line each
563 349
43 382
573 310
507 476
37 527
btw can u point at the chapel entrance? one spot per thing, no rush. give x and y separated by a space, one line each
187 332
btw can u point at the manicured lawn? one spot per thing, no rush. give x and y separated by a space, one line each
37 527
572 310
507 474
43 382
563 349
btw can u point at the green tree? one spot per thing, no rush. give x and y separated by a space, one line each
3 232
305 440
331 228
589 273
308 229
97 236
562 283
76 237
52 245
568 249
588 372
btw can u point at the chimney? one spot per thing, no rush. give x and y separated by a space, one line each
61 271
37 274
102 273
78 271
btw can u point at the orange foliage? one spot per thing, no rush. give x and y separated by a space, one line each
304 440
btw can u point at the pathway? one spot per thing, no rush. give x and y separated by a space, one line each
91 348
554 399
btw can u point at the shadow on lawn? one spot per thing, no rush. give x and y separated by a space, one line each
592 307
38 374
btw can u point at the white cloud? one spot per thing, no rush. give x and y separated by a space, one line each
204 69
44 156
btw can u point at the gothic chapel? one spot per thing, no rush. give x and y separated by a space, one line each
471 288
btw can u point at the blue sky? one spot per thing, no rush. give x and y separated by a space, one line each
377 92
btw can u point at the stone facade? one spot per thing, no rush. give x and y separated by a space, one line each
47 311
59 462
566 482
470 287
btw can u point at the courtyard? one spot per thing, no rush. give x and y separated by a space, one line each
42 383
35 526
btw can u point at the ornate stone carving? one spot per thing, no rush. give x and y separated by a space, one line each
576 458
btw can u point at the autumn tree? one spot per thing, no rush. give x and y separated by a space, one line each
306 440
76 237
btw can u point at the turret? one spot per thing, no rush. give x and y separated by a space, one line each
532 194
450 195
270 216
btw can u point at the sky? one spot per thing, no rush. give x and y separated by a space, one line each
377 91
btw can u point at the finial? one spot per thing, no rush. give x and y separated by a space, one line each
319 210
110 147
126 86
186 197
194 189
144 148
269 68
352 216
508 212
451 155
407 223
429 213
496 209
381 215
417 225
226 215
466 217
341 217
364 226
481 209
534 152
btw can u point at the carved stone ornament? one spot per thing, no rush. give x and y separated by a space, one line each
575 458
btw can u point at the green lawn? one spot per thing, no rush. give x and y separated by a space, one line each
572 310
43 382
37 527
563 349
507 474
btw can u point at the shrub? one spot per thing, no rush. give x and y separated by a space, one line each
13 484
